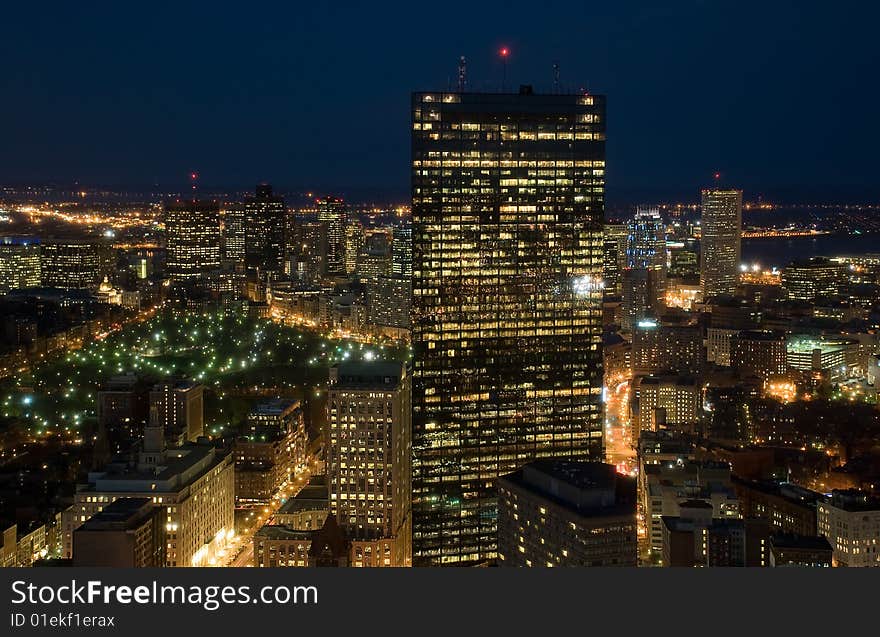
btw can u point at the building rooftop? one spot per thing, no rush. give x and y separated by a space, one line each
181 466
313 496
795 541
275 407
375 374
590 488
122 513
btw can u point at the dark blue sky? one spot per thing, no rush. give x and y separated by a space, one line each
782 99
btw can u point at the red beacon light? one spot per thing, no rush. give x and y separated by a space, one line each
504 52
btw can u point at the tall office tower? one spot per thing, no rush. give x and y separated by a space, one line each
375 257
354 240
614 256
333 212
508 198
401 250
180 409
814 278
643 280
19 263
720 243
265 219
192 231
646 240
71 264
234 229
369 417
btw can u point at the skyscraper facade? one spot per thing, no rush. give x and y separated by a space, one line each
192 230
265 219
19 263
720 244
508 199
369 418
401 249
332 212
643 281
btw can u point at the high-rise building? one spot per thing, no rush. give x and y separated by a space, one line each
333 212
672 402
559 513
369 416
308 256
265 219
71 264
646 240
19 263
614 255
180 409
192 231
816 277
374 259
354 240
508 199
643 280
389 299
401 249
720 241
759 353
667 347
234 230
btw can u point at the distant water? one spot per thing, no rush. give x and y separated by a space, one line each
780 251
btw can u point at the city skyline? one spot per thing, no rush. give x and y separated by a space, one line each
683 105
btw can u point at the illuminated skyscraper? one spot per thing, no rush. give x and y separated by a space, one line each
192 230
333 212
720 243
401 250
643 281
265 219
508 198
73 263
369 418
354 239
646 240
234 228
19 263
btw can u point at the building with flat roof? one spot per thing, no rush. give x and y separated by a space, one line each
787 507
665 486
508 198
19 263
308 509
127 533
850 520
697 538
180 409
564 513
720 242
192 484
368 454
791 549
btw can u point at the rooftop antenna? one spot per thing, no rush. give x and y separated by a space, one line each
556 77
462 74
193 178
504 53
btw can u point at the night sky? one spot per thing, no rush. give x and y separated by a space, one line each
782 100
